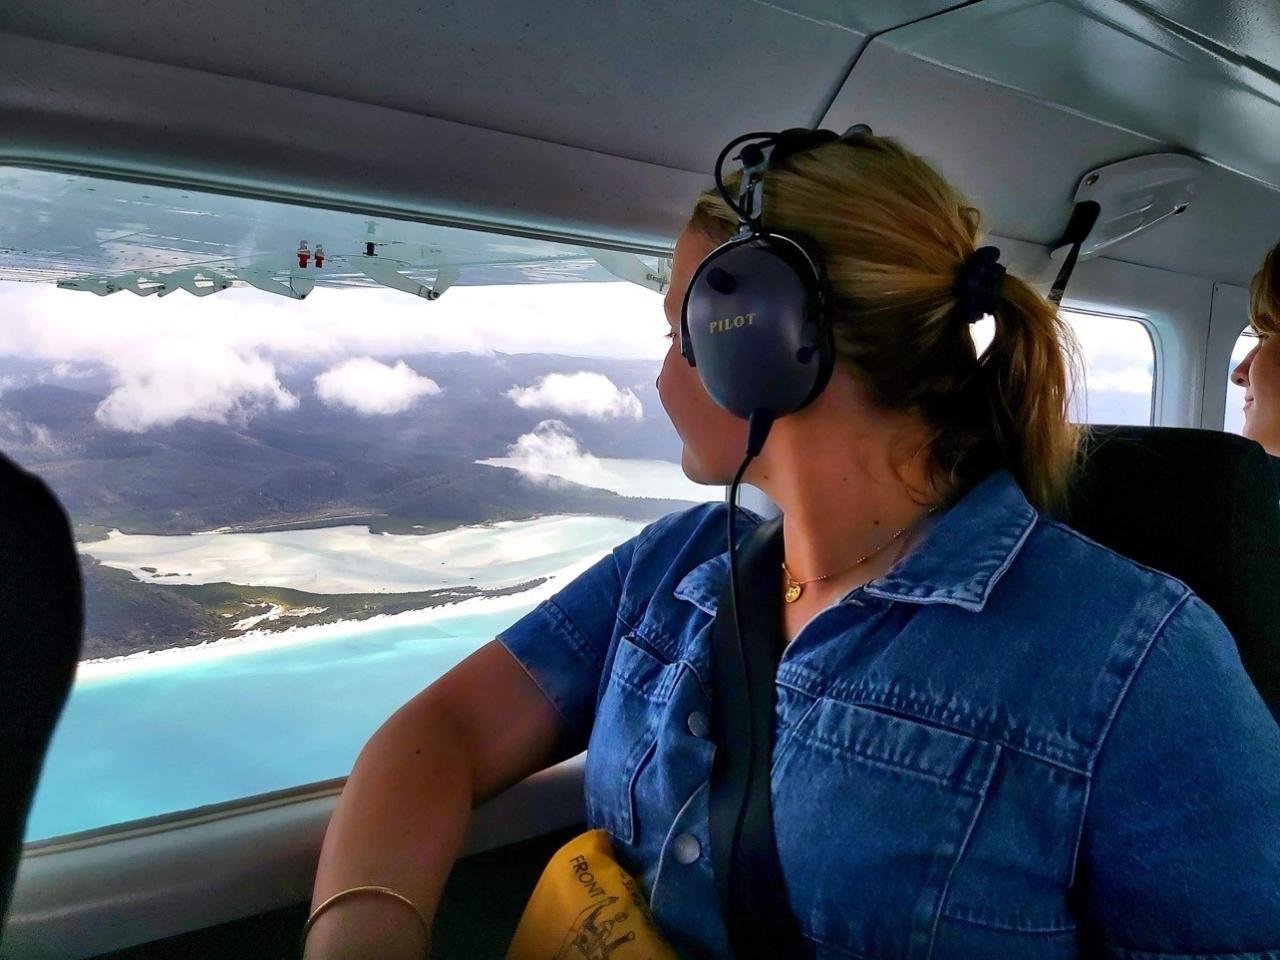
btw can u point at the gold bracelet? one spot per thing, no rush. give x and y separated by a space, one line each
306 929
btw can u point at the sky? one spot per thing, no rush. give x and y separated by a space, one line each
1235 395
219 357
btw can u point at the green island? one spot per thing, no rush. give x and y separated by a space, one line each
128 614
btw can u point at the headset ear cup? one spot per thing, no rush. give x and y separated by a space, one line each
759 337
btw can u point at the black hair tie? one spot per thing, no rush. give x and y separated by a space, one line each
977 286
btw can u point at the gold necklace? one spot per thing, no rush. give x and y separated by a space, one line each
795 587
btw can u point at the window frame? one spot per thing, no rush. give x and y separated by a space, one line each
635 244
115 887
1153 338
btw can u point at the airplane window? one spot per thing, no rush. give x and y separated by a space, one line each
1119 368
314 458
1234 420
293 514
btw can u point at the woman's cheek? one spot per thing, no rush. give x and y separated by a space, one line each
680 391
713 439
666 378
1264 378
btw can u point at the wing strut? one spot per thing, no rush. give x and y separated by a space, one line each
387 273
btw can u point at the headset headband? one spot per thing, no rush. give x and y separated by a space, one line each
756 163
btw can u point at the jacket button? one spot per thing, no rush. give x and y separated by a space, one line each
699 725
687 849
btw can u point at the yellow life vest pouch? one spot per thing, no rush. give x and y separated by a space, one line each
586 907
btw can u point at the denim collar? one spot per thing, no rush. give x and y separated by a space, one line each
960 560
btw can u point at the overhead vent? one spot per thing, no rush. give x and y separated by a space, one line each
1134 195
1119 200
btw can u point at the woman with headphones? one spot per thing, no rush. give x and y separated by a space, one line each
1259 371
992 737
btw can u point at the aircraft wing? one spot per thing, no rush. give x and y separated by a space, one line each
104 236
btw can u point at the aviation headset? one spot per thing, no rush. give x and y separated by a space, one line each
755 321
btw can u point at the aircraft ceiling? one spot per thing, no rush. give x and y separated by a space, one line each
641 87
598 122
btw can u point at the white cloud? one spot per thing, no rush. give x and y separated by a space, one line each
33 436
369 387
215 357
1132 379
333 324
582 394
43 439
69 371
551 452
14 430
159 387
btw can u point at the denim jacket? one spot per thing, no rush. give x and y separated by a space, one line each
1015 744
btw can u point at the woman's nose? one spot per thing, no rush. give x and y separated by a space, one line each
1240 375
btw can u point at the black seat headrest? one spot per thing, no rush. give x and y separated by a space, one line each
41 619
1202 506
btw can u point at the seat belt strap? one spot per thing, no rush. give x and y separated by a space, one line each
749 883
1083 216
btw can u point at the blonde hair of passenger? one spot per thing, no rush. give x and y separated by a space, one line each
1264 295
894 236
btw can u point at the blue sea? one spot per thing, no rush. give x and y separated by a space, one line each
166 739
168 732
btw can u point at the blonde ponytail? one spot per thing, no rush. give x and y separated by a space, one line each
1033 360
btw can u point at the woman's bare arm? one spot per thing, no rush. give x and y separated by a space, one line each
403 815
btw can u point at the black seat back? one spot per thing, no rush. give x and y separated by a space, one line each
41 619
1200 505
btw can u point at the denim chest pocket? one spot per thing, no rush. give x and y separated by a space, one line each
624 735
872 812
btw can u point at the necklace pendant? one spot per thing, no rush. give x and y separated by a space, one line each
793 591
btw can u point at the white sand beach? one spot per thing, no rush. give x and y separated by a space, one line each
599 542
350 559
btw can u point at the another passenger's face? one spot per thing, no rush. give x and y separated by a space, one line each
1259 374
714 439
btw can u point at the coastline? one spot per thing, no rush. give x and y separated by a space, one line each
263 641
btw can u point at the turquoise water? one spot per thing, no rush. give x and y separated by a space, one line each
172 732
166 739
